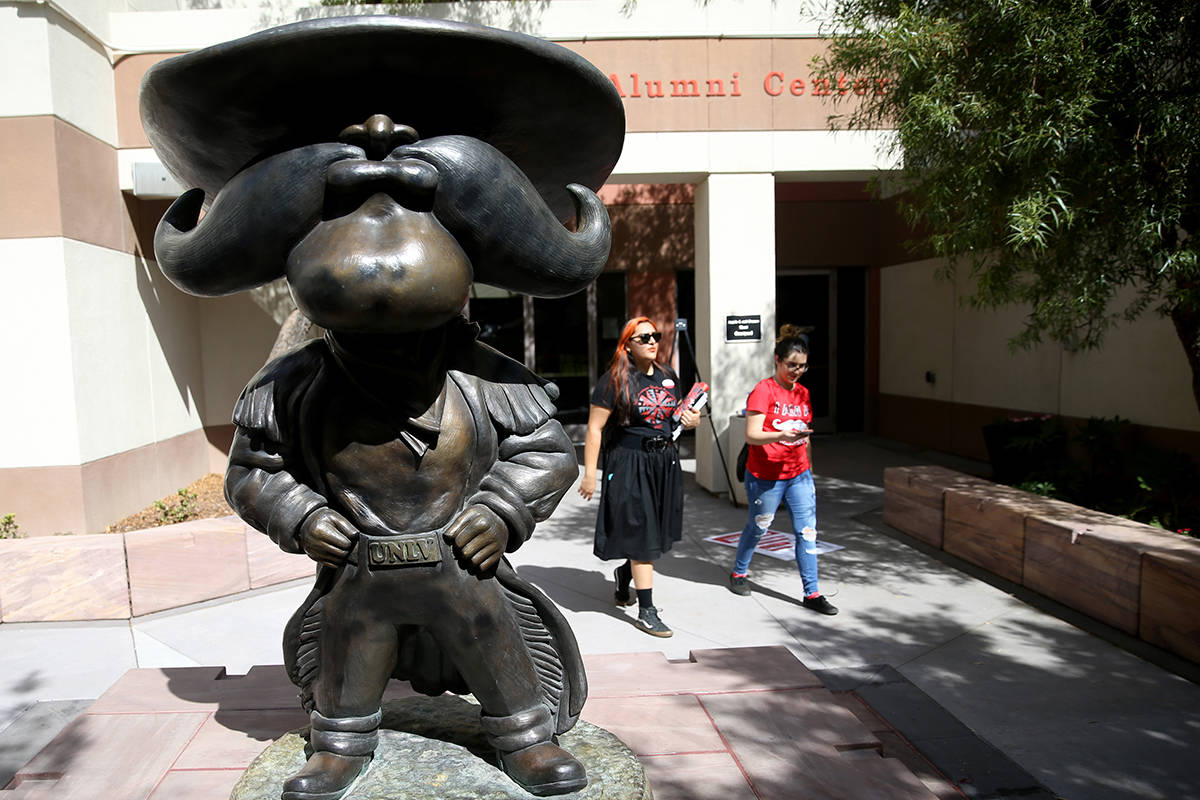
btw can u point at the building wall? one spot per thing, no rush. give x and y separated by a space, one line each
121 387
103 367
927 331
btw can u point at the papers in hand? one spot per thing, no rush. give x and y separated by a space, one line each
695 400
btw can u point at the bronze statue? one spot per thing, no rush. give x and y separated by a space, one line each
383 164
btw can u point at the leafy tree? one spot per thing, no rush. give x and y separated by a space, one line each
1052 147
381 2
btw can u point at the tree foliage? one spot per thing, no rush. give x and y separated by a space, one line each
1051 147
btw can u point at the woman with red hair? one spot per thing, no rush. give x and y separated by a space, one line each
641 502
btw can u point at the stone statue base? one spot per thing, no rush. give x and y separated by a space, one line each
433 747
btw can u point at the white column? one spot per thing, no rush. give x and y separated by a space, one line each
735 276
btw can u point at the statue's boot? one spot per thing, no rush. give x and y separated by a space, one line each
527 753
341 749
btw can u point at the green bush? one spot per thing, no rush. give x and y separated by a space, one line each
9 529
1102 466
181 511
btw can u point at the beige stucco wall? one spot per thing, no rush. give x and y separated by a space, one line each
916 332
134 352
47 67
1140 374
37 406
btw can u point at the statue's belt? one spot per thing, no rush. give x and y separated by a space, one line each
387 552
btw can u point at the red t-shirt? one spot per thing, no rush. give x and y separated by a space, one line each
780 409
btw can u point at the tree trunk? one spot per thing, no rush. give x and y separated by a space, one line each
293 333
1186 316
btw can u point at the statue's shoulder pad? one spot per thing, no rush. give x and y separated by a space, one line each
515 397
272 387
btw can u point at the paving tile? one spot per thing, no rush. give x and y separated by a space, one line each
197 689
696 776
60 661
861 711
850 678
897 747
656 725
911 711
116 756
207 784
738 669
33 788
174 689
978 768
187 563
267 565
808 719
236 634
804 745
60 578
153 653
232 739
33 730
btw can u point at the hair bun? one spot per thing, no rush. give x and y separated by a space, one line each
789 331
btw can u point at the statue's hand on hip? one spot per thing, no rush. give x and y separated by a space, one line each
479 535
327 537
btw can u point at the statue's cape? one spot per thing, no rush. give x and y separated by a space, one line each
421 662
496 388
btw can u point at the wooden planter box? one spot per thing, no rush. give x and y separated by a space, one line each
1134 577
985 525
913 499
1090 562
1170 598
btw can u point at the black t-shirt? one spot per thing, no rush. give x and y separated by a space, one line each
654 398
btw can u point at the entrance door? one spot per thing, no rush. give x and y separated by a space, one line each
832 303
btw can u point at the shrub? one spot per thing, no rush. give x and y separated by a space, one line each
9 529
1105 469
183 509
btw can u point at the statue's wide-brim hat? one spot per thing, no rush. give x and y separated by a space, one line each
212 112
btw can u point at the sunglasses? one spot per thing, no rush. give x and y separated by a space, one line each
647 338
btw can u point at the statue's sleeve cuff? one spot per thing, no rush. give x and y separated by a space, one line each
509 506
289 512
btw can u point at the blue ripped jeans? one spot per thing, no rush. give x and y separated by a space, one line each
764 497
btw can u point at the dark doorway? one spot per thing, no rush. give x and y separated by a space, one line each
803 299
501 321
850 406
833 304
611 314
561 352
685 309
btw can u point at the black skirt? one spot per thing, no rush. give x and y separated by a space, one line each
641 503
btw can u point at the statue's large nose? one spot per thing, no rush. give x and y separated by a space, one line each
378 136
410 182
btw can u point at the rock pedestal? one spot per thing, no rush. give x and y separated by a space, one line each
433 747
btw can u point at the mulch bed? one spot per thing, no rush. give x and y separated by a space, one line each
209 502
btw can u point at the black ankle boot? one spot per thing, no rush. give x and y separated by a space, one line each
544 769
527 754
342 748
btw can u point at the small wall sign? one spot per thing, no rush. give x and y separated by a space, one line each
743 328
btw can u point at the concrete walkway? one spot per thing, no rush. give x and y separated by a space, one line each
1004 693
